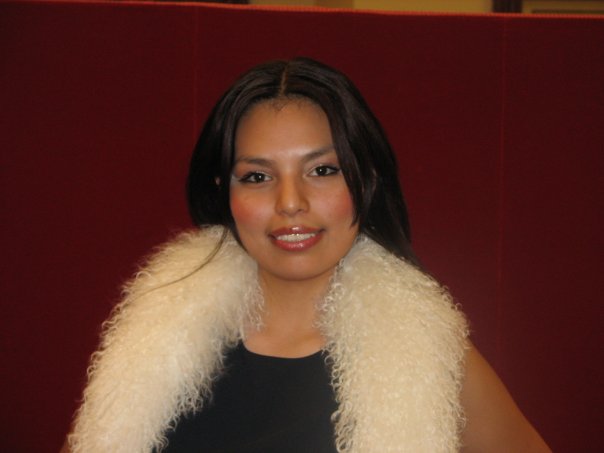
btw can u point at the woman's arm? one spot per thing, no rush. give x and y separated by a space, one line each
494 422
65 448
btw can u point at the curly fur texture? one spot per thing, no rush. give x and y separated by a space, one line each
396 340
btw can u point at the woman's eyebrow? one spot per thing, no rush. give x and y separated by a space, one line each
262 161
328 149
254 160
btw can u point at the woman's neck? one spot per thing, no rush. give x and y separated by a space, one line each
289 318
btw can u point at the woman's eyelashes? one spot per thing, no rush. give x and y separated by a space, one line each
259 177
324 170
254 177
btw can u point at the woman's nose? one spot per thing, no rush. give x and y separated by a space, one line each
291 197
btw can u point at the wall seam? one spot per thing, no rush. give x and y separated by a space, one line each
501 189
195 73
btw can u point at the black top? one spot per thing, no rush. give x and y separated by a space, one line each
263 404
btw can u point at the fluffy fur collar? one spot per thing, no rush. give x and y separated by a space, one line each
396 340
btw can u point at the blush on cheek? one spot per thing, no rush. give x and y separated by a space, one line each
340 206
245 213
237 207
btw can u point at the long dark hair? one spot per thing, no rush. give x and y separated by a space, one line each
365 156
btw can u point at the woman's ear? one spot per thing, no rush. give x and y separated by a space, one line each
217 181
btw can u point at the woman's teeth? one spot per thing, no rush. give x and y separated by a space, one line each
296 237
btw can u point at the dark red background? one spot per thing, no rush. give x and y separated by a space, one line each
497 121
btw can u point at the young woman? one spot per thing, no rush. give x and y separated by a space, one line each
296 318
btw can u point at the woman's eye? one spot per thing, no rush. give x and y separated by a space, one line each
254 178
324 170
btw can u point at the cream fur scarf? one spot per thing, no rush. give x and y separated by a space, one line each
396 340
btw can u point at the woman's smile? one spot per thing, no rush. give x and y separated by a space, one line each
289 199
297 238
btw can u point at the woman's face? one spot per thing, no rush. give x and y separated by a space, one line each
291 205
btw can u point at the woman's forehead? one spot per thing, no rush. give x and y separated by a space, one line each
294 125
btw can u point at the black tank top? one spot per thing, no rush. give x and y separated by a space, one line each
262 404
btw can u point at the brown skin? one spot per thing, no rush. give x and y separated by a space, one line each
65 448
494 422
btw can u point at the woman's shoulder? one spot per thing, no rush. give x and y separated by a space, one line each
494 422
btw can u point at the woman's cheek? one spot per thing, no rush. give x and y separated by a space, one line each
237 206
339 205
245 210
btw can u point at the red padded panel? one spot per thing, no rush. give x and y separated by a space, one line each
97 126
553 248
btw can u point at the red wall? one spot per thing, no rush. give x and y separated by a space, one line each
497 121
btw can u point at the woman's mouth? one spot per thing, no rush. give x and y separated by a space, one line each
296 239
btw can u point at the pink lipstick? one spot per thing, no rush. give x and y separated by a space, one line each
297 238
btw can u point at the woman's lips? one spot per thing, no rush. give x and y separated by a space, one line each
295 239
